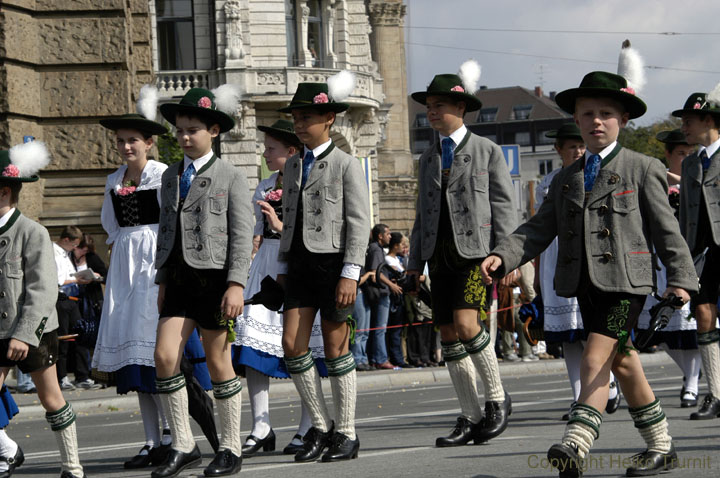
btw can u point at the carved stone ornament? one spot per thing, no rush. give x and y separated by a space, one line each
233 30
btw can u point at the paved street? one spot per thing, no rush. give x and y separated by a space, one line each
397 426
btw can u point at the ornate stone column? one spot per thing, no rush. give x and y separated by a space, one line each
395 164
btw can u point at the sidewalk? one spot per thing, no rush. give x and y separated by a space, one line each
107 400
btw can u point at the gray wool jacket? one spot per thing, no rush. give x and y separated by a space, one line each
696 188
479 194
216 220
28 281
626 214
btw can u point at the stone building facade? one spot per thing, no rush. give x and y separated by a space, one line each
65 64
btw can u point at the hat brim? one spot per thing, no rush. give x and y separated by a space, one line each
664 137
322 107
555 135
634 106
287 136
170 111
19 179
684 111
145 126
471 101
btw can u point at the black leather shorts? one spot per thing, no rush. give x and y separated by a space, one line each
38 358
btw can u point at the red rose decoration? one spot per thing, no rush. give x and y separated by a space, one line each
320 99
204 102
274 195
11 171
628 90
697 106
458 89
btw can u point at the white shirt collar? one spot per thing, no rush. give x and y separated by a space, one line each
319 150
197 163
603 154
710 150
457 136
6 217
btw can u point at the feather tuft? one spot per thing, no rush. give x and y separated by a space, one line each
147 102
341 85
30 157
227 97
469 74
631 66
714 96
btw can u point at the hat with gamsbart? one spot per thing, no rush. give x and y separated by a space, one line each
22 162
460 87
674 136
602 84
215 106
699 103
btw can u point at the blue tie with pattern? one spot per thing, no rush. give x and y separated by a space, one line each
447 153
704 160
592 166
186 180
307 163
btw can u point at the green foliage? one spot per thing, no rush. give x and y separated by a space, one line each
642 138
169 151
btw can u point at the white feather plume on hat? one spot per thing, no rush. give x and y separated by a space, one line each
227 97
147 102
714 96
469 74
631 67
341 85
30 157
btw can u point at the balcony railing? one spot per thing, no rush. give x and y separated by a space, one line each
177 83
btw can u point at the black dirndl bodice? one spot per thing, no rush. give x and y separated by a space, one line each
138 208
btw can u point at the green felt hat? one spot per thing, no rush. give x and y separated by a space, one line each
566 131
451 86
675 136
697 103
199 102
283 130
315 96
22 162
601 84
133 121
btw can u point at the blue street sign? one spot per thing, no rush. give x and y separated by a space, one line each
512 158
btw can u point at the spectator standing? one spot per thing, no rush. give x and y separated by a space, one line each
396 316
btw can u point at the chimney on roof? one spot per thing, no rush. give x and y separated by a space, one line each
552 95
538 91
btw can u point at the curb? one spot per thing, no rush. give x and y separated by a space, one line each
104 400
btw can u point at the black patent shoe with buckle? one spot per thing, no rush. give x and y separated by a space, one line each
225 463
267 444
141 460
566 460
314 442
293 448
652 462
495 420
613 403
461 435
342 448
688 400
709 409
176 462
13 462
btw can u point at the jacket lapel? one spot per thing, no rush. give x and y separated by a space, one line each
200 185
317 171
173 184
714 169
606 182
459 165
694 168
573 188
434 167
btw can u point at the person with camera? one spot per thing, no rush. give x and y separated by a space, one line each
397 316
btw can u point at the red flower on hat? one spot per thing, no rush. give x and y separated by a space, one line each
628 90
204 102
458 89
697 106
320 99
11 171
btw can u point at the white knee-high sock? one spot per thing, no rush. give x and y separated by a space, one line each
693 361
343 383
305 421
486 363
8 448
258 386
710 352
612 391
307 382
166 436
572 351
462 374
62 422
228 398
149 414
173 395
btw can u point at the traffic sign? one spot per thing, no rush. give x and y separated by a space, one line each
512 158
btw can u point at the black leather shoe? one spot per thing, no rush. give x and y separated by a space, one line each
709 409
463 432
13 462
225 463
267 444
688 400
291 449
566 460
67 474
314 442
652 462
160 454
342 448
495 420
176 462
614 404
140 460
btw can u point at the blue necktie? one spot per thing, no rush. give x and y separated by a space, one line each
705 160
186 180
447 153
307 163
592 166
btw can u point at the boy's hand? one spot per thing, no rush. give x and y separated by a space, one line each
345 292
161 297
488 266
17 350
233 300
678 292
